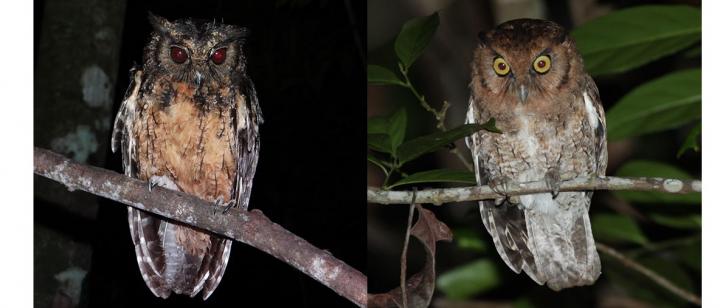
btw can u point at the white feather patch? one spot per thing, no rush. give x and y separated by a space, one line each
163 181
591 111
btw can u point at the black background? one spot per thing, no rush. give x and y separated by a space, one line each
307 61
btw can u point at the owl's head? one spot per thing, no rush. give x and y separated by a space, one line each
204 54
525 61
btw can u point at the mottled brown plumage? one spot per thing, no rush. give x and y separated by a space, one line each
189 122
528 75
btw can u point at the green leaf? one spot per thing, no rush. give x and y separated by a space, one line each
691 141
683 222
469 239
470 279
490 126
378 75
437 175
664 103
414 36
377 162
377 125
644 168
433 142
617 229
396 128
629 38
379 142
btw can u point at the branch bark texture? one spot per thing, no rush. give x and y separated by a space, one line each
252 228
446 195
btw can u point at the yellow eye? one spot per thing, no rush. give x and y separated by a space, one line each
542 64
501 67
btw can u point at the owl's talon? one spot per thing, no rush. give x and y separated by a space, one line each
501 186
552 180
221 204
229 205
151 185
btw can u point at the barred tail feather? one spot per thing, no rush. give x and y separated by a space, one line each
553 246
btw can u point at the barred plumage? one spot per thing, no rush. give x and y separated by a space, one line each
189 122
528 75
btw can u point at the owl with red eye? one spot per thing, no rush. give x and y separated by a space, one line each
189 122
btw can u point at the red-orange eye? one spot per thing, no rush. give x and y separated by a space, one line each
178 55
218 57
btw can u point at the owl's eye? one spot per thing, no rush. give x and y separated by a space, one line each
178 55
542 64
218 57
501 67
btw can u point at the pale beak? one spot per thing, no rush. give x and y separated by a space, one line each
198 79
523 93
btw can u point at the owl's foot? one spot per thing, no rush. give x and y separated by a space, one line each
552 180
219 203
501 186
151 184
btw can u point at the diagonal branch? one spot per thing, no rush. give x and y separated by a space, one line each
251 228
445 195
684 294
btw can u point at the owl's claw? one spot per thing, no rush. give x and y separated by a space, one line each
552 180
502 186
220 203
151 185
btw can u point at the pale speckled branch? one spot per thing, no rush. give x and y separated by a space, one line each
252 228
446 195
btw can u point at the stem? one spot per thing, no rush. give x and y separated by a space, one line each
403 257
661 281
439 115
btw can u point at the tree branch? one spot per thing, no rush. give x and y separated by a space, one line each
252 228
684 294
445 195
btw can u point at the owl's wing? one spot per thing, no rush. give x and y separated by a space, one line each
143 226
122 137
247 124
246 148
600 132
506 224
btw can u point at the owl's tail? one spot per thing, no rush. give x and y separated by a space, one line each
550 239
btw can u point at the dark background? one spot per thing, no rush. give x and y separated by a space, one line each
307 61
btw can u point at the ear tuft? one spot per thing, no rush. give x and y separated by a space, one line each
158 23
482 37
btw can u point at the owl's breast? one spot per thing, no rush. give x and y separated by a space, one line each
189 141
534 142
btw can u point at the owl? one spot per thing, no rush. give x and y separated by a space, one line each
189 122
529 76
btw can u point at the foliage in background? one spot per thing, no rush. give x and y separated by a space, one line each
619 42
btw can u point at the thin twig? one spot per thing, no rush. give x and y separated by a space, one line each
251 228
661 281
440 196
439 115
403 257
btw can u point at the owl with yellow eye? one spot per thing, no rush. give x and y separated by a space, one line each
528 75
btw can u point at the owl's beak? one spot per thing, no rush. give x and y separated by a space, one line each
523 93
198 79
